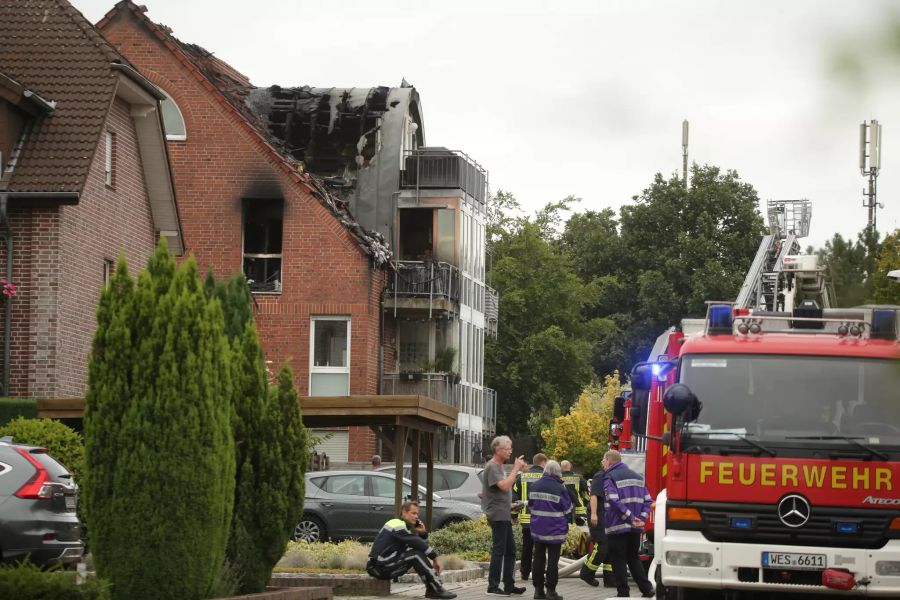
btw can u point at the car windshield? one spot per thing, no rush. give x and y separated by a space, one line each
779 397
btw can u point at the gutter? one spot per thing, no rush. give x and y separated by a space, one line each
139 79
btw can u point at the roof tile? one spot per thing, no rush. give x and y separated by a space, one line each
48 47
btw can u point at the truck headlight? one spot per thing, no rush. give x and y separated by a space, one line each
678 558
888 567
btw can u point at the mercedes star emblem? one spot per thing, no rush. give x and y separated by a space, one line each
793 510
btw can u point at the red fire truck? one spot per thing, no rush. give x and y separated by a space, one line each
772 447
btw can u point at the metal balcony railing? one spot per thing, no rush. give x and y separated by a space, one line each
490 412
441 168
435 281
442 387
491 310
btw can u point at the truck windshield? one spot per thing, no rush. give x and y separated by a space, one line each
781 397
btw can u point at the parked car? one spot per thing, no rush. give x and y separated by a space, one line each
37 507
356 504
456 482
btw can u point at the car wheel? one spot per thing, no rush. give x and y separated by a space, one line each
309 529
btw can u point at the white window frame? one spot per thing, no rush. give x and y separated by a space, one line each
313 369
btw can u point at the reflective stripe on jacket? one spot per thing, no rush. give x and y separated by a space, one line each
395 537
578 487
625 498
550 506
520 491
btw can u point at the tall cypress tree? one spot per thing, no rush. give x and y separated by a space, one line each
159 446
294 449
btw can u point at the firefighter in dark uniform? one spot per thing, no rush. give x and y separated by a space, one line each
520 498
578 492
400 546
598 557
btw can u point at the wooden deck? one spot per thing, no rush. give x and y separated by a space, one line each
416 412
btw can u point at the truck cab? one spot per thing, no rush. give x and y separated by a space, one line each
773 441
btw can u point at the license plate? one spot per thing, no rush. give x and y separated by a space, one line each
793 560
70 502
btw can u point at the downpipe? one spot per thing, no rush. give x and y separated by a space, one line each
7 326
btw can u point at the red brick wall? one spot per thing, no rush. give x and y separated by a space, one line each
58 256
324 272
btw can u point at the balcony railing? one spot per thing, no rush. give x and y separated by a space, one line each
440 168
490 412
435 283
437 386
491 310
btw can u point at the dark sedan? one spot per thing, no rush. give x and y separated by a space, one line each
356 504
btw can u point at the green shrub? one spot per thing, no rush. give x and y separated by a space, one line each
159 450
348 555
10 408
469 539
62 442
27 582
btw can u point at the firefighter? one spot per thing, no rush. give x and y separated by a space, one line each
578 492
520 499
598 557
400 546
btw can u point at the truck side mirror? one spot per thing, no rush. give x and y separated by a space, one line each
681 401
641 376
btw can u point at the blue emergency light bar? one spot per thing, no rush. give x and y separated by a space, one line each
884 324
719 319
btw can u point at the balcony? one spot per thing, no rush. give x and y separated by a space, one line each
491 310
423 290
489 427
437 386
440 168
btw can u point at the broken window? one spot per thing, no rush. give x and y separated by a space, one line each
416 226
263 223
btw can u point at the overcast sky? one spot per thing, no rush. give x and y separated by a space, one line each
587 98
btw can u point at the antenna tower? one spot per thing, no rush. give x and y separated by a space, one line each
870 166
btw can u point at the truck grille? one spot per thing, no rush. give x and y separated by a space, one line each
818 531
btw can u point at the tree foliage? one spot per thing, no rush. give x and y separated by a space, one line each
270 446
884 290
849 264
582 435
158 444
598 289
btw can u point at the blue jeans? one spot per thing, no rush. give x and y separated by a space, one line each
503 555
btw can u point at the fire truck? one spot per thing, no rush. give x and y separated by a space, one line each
770 437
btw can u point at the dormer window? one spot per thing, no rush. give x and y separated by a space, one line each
173 121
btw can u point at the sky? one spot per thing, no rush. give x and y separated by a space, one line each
587 98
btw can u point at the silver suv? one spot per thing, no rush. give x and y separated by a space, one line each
37 507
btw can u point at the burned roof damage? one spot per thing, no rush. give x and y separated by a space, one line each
352 138
235 88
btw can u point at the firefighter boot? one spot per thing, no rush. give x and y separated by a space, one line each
588 577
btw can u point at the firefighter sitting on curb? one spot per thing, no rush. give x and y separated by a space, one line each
401 546
523 514
599 555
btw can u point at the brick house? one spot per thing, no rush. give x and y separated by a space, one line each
84 177
317 276
315 193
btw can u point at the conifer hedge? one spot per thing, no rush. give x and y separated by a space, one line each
270 448
159 450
